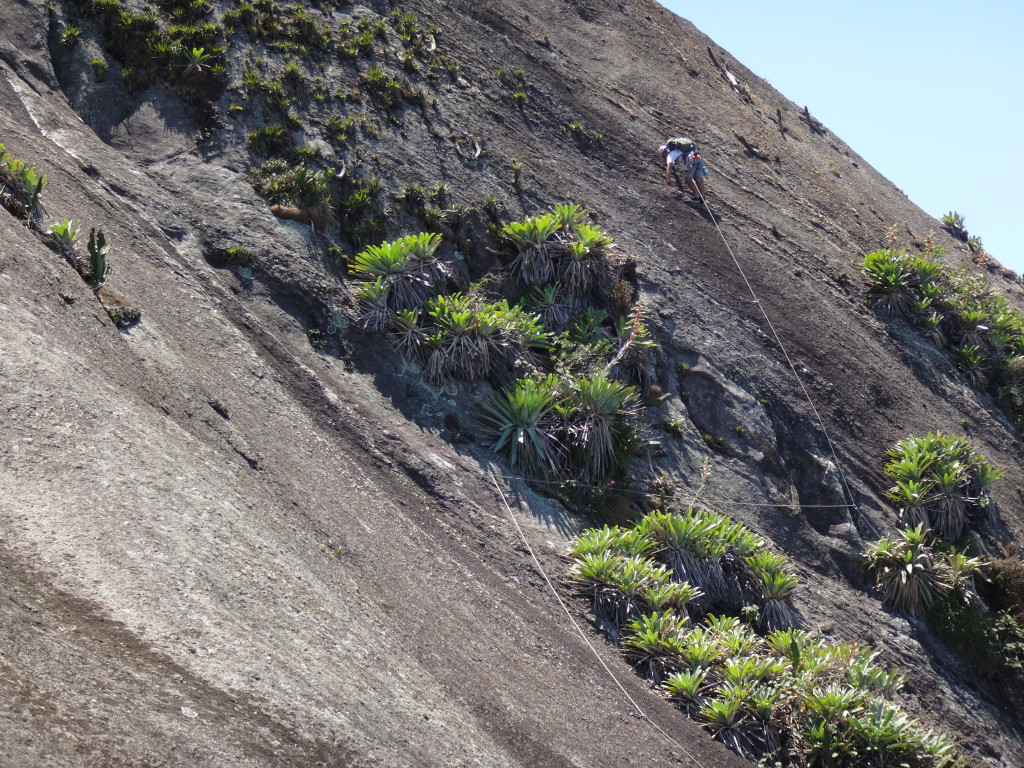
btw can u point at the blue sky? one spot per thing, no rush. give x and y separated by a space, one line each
930 93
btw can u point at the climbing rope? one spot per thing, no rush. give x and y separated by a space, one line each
792 367
495 474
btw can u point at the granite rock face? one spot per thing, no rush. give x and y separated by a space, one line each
222 544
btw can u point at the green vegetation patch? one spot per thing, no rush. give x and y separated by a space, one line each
567 407
914 576
285 183
21 185
974 607
942 483
959 311
785 698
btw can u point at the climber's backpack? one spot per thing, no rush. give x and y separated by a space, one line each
684 145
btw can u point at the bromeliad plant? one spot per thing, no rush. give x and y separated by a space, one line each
956 309
942 482
20 185
914 576
906 570
401 275
788 698
565 428
65 233
598 424
524 427
558 246
470 339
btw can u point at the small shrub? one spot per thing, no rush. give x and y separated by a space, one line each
65 233
906 571
268 140
99 69
70 36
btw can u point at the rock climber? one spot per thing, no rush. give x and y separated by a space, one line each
694 170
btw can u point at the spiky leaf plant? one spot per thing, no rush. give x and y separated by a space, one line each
971 326
576 270
633 579
465 340
596 541
932 325
958 570
728 723
520 344
672 596
890 280
737 640
534 260
409 338
682 537
862 673
653 641
598 574
883 734
98 250
375 313
624 541
687 689
520 422
553 306
941 482
408 267
777 611
905 570
768 705
973 361
566 215
66 234
795 645
598 413
949 515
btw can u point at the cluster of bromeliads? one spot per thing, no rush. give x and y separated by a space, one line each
961 312
768 690
701 606
697 601
561 340
941 489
